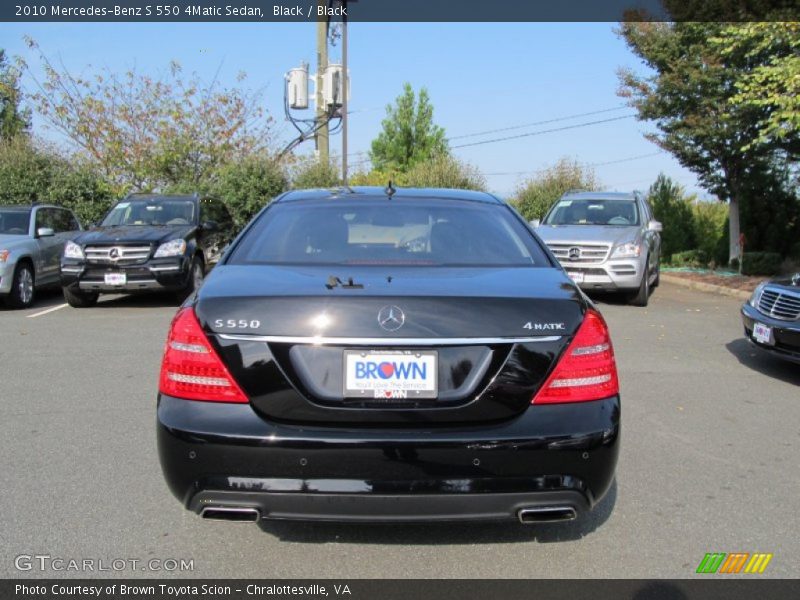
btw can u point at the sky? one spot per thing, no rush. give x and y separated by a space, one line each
480 77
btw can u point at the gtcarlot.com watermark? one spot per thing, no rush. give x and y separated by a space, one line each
48 563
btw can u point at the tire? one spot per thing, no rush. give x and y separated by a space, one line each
641 296
197 273
80 299
23 287
657 280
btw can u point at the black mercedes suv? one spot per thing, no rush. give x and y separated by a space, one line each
146 242
370 355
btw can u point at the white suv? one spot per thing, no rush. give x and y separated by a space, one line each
605 241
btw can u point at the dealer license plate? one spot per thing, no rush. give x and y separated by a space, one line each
399 374
762 334
115 278
576 276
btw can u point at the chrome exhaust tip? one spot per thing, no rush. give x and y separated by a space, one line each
239 514
546 514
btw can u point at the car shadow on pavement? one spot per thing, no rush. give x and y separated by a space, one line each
614 299
46 298
758 360
139 301
506 532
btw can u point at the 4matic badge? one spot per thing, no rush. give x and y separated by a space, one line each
544 326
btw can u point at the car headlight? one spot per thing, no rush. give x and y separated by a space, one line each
629 250
756 295
171 248
73 250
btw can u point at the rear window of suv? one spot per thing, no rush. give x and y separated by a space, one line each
14 222
394 232
623 213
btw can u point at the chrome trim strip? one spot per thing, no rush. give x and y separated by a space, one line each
356 341
167 268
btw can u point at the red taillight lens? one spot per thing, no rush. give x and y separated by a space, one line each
191 369
587 370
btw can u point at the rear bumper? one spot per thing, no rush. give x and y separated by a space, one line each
226 455
785 334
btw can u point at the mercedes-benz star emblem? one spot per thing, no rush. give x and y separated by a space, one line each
113 254
796 279
391 318
574 253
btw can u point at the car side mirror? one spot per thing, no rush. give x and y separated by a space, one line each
45 232
655 226
534 223
210 226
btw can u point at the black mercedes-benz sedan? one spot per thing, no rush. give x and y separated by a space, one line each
382 355
771 317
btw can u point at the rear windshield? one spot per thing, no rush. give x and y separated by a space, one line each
397 232
593 212
151 212
14 222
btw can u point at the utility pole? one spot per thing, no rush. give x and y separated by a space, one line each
322 63
344 94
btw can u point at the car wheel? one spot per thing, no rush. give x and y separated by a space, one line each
657 280
197 273
23 288
641 296
80 299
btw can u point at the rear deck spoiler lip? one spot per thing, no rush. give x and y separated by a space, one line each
369 341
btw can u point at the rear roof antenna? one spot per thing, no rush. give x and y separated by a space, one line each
390 190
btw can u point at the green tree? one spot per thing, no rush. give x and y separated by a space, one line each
149 133
409 134
314 173
674 210
535 195
690 99
249 185
13 120
770 80
444 171
710 225
31 173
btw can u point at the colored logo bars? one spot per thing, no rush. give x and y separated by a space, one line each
735 562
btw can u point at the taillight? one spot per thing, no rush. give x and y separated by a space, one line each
191 369
587 370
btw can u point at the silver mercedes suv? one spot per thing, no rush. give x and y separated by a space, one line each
605 241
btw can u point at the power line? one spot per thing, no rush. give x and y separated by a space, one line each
595 164
521 126
543 131
545 122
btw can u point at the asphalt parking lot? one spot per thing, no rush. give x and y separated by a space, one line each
708 463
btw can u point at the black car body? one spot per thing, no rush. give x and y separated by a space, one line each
771 317
147 242
363 356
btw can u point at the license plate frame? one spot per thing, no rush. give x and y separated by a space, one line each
386 387
763 334
115 279
576 276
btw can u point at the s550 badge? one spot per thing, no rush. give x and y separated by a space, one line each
544 326
237 323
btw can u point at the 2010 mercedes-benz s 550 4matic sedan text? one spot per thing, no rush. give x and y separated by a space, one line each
371 355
